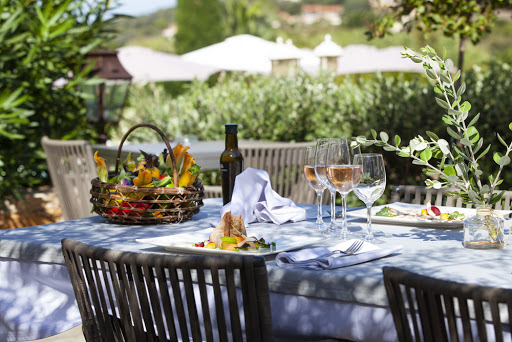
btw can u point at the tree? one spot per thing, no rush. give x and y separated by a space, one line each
462 19
199 24
246 16
42 57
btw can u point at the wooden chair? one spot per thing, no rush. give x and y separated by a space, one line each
284 164
421 195
72 167
428 309
124 296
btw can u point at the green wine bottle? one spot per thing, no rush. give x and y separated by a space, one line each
231 163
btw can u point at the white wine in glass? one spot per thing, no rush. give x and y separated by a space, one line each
371 186
343 174
312 180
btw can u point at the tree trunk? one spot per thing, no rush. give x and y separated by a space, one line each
462 50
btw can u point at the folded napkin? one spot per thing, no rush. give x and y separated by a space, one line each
309 258
254 199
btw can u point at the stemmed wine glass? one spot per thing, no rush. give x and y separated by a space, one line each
371 186
343 174
321 149
312 180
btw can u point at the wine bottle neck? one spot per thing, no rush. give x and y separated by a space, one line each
231 142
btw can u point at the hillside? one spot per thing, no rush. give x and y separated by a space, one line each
155 31
147 30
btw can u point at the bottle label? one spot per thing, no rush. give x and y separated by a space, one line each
228 173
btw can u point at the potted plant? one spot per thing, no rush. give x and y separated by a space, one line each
455 164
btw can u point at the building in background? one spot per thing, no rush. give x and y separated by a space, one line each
314 13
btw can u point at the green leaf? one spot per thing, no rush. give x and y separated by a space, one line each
419 162
478 146
432 136
445 78
510 126
457 76
454 112
501 140
496 157
461 153
361 139
448 120
484 152
384 137
466 142
438 89
430 172
496 197
416 59
389 148
374 133
461 89
442 103
473 134
444 146
453 134
474 120
449 170
426 154
505 160
397 140
453 178
465 107
431 74
448 64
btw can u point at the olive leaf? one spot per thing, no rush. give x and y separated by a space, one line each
457 163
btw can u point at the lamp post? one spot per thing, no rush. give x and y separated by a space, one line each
328 52
108 99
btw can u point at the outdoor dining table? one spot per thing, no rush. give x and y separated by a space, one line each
37 300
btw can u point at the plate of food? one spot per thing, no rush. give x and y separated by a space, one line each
231 237
421 215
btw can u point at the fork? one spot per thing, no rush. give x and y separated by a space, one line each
353 249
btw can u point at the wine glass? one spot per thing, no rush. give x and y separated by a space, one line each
371 186
312 180
321 149
342 174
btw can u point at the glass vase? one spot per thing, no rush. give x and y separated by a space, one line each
484 231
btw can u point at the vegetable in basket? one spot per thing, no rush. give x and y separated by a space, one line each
151 171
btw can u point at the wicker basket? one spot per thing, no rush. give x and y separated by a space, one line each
146 205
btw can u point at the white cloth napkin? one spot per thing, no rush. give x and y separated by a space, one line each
254 199
309 258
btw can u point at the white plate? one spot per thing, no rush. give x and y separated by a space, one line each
420 221
184 243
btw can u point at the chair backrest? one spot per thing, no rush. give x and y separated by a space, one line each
428 309
284 164
72 167
417 194
124 296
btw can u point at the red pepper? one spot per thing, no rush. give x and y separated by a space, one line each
163 176
129 206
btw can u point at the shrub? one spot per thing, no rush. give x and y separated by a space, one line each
306 107
41 43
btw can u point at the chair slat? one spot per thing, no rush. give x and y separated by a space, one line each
125 296
477 309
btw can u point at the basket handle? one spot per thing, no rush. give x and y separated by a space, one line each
164 138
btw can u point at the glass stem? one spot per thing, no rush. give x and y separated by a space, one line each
333 210
344 228
369 221
319 219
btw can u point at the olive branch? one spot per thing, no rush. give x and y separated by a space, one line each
448 164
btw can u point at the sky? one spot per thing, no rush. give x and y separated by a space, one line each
141 7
